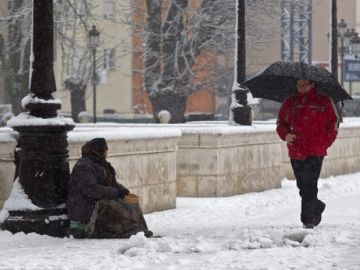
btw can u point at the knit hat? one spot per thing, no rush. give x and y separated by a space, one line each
95 147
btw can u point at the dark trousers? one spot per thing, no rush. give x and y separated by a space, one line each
307 173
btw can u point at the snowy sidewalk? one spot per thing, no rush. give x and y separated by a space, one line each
250 231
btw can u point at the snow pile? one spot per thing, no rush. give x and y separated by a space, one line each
18 199
3 215
139 245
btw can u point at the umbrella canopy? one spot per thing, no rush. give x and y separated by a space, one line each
278 81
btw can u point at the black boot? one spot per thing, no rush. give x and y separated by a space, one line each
319 210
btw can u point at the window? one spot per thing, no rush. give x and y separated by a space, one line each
110 59
109 9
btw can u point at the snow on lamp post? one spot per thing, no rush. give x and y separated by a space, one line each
240 111
94 41
42 144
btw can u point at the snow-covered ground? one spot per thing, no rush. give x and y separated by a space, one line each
250 231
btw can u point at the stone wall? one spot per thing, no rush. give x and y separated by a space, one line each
196 160
225 163
7 164
146 166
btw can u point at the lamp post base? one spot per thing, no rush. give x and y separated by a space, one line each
242 115
50 221
43 166
43 175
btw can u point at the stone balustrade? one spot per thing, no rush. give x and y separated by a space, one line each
160 162
7 165
223 161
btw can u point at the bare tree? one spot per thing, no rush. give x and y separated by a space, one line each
73 20
15 51
179 32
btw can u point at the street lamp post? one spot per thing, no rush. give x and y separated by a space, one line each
94 41
344 35
355 50
240 111
42 143
355 44
341 31
333 39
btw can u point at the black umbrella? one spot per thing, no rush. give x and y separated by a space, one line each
278 81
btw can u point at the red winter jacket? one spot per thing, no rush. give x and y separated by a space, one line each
314 121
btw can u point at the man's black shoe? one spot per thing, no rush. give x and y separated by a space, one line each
308 225
318 212
148 233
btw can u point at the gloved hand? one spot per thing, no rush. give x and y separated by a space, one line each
122 192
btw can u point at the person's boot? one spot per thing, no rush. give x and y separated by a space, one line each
319 210
308 225
148 233
307 213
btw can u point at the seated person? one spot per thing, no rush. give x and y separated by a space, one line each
95 204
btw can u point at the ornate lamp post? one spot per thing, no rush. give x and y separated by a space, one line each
240 110
43 167
344 37
355 44
94 41
354 50
333 39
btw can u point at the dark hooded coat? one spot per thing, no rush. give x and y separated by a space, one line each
92 179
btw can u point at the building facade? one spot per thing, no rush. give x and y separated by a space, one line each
259 57
113 63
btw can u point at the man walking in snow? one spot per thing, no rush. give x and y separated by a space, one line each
308 122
